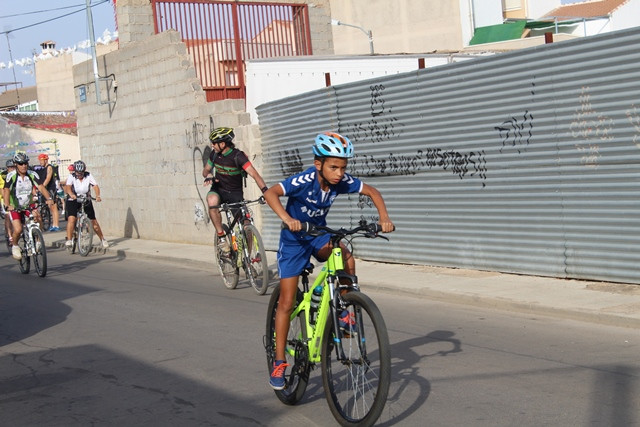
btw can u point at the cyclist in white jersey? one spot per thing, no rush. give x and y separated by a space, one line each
310 195
19 197
79 184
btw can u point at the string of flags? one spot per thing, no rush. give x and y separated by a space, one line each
107 37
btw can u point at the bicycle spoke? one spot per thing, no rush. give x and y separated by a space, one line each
357 386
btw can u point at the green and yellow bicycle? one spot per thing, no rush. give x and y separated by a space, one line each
355 361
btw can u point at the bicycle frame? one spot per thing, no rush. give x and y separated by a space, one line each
328 277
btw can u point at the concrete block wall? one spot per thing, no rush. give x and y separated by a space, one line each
146 149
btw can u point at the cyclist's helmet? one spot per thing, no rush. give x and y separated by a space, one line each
10 163
331 144
221 135
20 158
43 156
79 166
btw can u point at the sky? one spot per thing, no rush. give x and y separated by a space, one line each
66 31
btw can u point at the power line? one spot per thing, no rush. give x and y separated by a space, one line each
40 11
53 19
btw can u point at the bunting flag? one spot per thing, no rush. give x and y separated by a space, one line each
107 37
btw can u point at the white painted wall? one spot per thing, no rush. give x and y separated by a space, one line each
271 79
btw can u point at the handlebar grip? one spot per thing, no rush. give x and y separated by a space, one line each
307 227
379 228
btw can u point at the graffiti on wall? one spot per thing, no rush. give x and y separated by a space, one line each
195 138
382 126
590 128
634 118
472 164
516 132
290 161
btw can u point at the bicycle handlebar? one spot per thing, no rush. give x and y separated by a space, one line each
226 206
365 229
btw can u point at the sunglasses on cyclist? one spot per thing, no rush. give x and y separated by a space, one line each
21 163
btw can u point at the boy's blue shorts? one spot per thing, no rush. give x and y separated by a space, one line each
294 255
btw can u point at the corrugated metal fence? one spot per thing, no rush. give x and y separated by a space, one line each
524 162
220 36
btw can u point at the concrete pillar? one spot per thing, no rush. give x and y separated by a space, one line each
135 20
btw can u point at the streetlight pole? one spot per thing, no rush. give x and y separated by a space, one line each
367 32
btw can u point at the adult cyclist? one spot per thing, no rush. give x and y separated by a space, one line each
310 195
19 197
48 179
79 184
7 220
230 166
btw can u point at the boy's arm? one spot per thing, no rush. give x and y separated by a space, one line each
257 178
272 196
378 201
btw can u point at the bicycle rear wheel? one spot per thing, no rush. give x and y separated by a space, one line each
85 235
45 214
227 263
296 353
25 261
40 252
356 387
256 265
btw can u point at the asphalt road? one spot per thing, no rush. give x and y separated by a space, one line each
109 341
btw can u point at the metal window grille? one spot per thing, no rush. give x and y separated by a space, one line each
220 36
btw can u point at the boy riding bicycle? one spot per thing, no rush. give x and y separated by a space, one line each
310 195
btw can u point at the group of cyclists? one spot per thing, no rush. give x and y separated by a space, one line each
22 187
309 193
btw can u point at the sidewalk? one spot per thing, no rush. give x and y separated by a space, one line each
597 302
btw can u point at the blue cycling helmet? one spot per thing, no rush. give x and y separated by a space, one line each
331 144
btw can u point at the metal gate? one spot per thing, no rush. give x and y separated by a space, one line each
220 36
525 162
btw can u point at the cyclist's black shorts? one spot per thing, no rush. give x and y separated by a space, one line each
229 197
73 206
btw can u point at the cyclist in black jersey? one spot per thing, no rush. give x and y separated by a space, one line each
231 167
47 179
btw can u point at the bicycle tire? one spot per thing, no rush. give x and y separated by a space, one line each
45 215
25 261
40 252
227 264
297 375
85 235
256 266
356 389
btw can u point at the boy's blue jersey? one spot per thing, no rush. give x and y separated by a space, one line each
307 202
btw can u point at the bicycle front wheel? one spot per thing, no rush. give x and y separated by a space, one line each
357 385
256 264
85 235
40 252
25 261
296 351
227 264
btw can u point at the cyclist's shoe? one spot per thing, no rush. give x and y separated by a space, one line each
105 244
223 245
257 259
276 380
16 252
347 323
68 243
52 228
